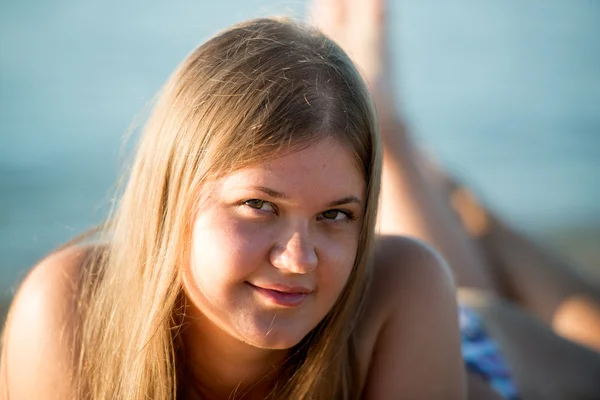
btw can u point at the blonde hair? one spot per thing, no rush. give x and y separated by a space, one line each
256 90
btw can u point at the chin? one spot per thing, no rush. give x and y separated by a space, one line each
275 339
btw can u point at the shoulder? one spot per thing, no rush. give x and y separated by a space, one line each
409 342
50 289
38 350
403 262
404 270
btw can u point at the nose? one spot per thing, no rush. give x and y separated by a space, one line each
296 255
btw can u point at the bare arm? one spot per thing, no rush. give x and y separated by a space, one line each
38 342
417 350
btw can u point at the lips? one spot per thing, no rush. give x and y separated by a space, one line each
282 295
286 289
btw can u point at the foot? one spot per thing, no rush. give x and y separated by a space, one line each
359 27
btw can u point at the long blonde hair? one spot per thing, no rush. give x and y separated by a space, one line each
250 93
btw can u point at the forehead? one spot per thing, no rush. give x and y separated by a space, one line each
327 167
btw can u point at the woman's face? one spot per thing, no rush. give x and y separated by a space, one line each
274 244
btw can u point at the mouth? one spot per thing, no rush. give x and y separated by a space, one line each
281 295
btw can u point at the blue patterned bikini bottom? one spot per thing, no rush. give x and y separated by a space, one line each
482 354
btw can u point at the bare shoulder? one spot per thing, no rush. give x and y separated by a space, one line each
409 343
37 348
404 269
408 264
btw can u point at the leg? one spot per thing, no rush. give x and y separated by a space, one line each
537 279
409 206
545 284
544 365
478 389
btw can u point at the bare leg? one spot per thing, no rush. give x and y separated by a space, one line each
478 389
416 200
544 365
546 285
536 278
409 206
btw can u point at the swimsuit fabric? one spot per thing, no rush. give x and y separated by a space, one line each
482 354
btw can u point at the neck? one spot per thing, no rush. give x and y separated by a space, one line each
220 366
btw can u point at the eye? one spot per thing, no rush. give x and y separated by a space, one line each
261 205
337 215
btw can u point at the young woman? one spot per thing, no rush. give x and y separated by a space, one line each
545 316
240 262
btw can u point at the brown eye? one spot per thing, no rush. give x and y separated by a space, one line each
261 205
337 216
331 214
255 203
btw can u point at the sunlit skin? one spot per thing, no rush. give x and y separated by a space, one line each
290 224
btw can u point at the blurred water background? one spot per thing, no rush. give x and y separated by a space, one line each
506 94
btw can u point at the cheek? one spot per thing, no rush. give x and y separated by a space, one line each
227 250
337 259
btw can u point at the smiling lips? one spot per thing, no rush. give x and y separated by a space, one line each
281 295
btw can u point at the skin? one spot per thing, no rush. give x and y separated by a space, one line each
409 332
292 221
408 337
38 337
409 206
528 296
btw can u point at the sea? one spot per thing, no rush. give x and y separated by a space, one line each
505 94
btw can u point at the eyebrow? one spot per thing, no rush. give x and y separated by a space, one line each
278 195
345 200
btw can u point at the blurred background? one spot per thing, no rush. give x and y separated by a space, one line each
506 94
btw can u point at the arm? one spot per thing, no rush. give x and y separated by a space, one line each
417 351
38 342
